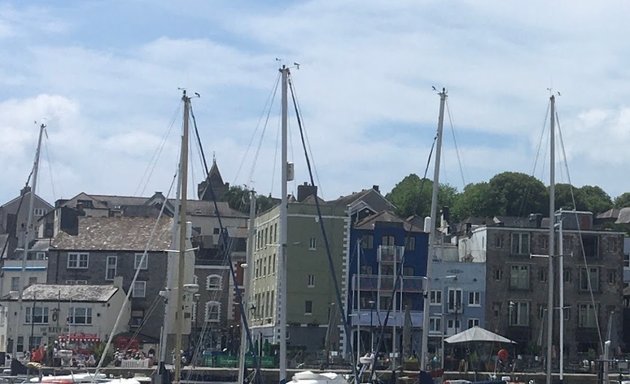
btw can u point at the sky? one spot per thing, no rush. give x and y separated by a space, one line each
106 78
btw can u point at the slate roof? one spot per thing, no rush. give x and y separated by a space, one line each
371 197
388 217
624 216
612 213
58 292
193 208
116 234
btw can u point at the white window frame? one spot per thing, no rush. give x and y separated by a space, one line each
78 260
312 244
310 281
72 315
520 240
435 297
15 283
473 322
40 255
216 315
474 299
435 324
136 261
109 267
454 300
39 212
218 286
516 315
29 315
139 289
308 307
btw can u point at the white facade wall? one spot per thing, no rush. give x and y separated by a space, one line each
103 318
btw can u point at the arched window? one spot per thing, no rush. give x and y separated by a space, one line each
213 312
214 283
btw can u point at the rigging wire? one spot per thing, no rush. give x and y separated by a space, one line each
298 109
267 108
459 160
262 135
275 157
148 172
324 235
224 247
50 169
540 140
135 277
579 229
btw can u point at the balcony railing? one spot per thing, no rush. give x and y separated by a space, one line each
390 253
411 284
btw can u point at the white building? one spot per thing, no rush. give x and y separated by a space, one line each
81 313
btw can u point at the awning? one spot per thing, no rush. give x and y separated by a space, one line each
477 334
80 337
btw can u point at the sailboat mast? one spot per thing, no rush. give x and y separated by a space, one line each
552 209
247 273
28 234
179 315
282 259
432 234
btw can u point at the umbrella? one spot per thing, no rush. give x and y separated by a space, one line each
477 334
406 333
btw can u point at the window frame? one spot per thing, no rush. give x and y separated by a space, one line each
218 286
520 240
108 267
136 292
144 265
474 299
31 313
208 312
75 260
73 316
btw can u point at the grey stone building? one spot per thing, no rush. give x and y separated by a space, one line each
517 281
107 247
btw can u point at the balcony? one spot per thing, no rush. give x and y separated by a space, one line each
390 254
410 284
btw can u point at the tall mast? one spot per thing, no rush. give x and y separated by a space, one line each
28 235
552 209
179 314
432 234
247 273
561 293
282 258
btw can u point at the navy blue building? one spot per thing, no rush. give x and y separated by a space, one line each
383 247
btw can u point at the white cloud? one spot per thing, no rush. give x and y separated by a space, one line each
364 88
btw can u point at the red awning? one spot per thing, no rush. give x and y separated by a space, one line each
80 337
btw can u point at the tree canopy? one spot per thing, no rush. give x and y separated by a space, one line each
412 196
506 194
237 198
622 200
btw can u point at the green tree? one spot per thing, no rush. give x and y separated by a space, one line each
622 200
412 196
238 198
595 199
474 201
565 193
518 194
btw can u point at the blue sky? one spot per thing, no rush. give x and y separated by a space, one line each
104 76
